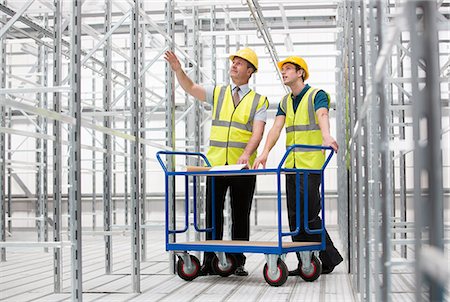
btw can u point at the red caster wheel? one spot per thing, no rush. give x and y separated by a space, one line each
314 272
226 270
280 277
186 273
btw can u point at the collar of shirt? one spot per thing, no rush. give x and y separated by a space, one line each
243 89
299 97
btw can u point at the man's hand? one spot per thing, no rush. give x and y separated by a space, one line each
172 59
244 159
329 141
260 160
186 83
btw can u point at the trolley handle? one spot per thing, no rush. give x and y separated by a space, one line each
291 148
159 153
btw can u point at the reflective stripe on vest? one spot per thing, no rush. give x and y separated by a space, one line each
231 127
302 128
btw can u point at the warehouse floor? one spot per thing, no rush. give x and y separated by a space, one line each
27 276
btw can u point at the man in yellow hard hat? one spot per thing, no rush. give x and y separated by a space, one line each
238 121
304 113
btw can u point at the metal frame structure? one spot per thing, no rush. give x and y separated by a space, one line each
392 119
389 57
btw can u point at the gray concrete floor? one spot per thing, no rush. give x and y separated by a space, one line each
27 275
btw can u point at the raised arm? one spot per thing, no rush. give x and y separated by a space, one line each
271 140
324 124
186 83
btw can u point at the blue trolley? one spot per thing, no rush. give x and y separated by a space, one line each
275 270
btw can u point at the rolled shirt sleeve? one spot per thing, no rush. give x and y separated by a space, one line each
261 113
210 94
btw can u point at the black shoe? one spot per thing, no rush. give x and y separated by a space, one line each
241 271
204 270
295 272
327 268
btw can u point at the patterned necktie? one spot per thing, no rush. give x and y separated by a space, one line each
236 98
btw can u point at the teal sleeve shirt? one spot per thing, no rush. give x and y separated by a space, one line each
320 101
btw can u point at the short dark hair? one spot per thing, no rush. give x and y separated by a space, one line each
297 68
250 65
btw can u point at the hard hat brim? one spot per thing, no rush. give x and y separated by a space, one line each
231 57
280 64
289 60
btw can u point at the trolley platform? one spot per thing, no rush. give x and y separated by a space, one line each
275 271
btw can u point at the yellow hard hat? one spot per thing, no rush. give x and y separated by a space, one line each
248 55
297 61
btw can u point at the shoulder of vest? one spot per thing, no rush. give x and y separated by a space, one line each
315 91
220 88
261 99
285 97
283 102
312 91
254 95
259 96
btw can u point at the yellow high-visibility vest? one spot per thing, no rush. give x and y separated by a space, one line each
232 127
302 127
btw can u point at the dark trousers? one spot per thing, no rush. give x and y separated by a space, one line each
241 193
330 257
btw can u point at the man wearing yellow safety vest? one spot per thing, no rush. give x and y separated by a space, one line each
238 120
304 112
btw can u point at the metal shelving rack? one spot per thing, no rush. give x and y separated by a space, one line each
396 98
137 108
67 95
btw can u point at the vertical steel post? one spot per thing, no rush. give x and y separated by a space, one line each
428 178
39 190
45 142
2 148
75 152
193 120
341 119
374 141
57 158
9 173
42 150
359 144
226 78
419 154
125 172
188 124
107 157
113 185
213 28
126 143
385 177
170 123
143 147
94 158
433 149
361 91
135 160
353 247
